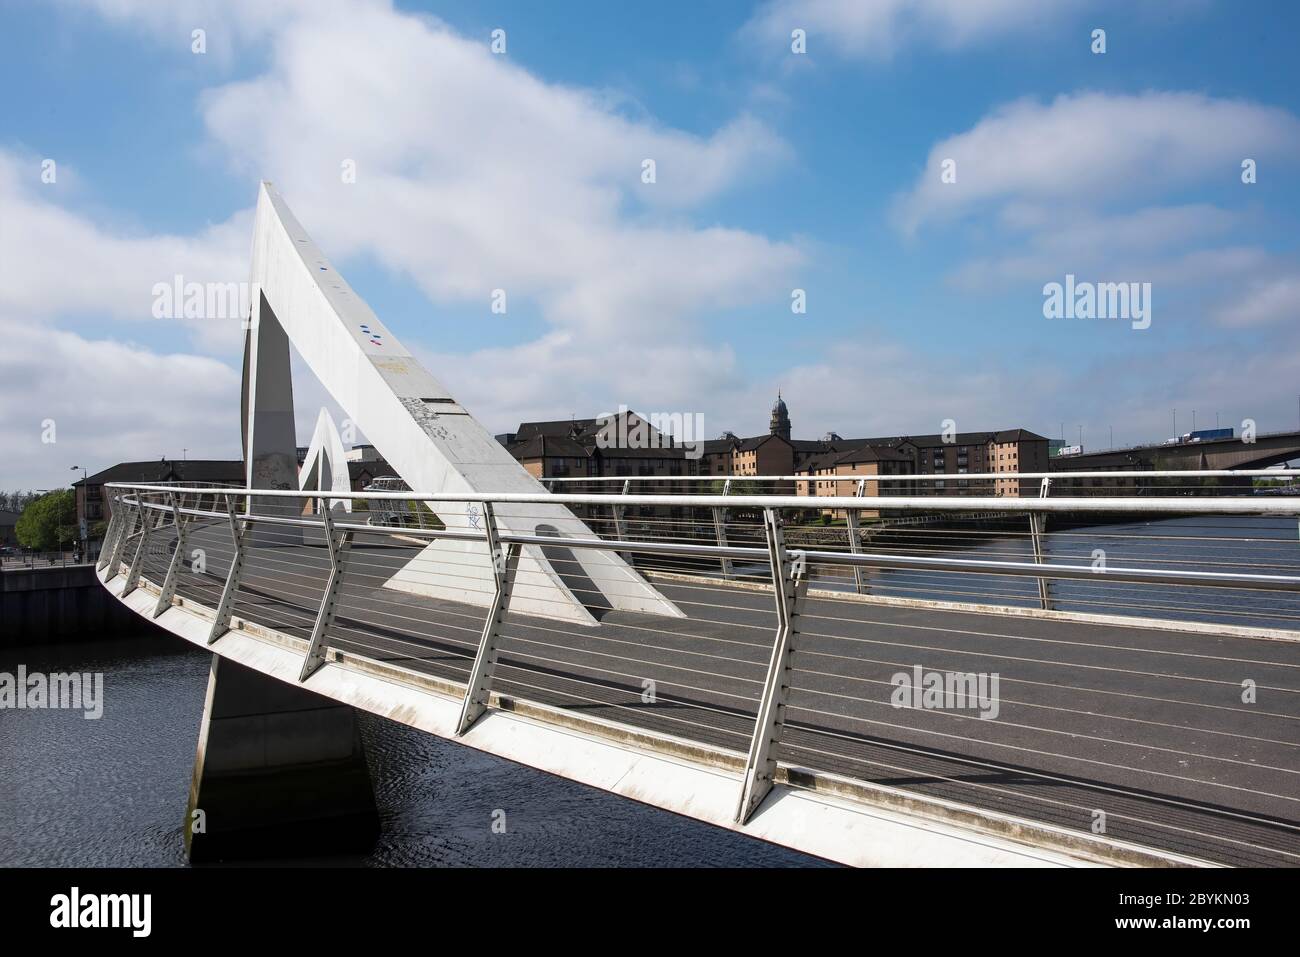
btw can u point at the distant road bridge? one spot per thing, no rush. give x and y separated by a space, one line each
1273 448
943 695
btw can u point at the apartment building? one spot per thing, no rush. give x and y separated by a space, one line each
976 453
1017 450
570 449
552 456
626 446
94 505
719 455
763 455
839 474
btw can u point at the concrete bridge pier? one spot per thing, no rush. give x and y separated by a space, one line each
279 772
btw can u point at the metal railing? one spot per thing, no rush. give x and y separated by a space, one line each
932 523
15 558
795 635
998 483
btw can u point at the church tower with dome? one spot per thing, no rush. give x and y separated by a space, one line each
780 424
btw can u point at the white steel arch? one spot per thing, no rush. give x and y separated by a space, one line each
325 468
426 436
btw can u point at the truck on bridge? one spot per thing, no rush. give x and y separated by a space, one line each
1201 435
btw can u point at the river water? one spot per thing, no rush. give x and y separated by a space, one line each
1237 545
112 791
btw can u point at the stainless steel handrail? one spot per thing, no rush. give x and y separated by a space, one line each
860 559
937 476
1281 505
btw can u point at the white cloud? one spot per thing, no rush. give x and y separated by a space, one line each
1160 243
554 377
1095 148
1124 389
108 398
55 262
1074 186
1264 302
877 29
109 401
475 175
230 26
472 175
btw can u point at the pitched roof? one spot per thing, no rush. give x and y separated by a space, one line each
871 453
885 441
937 439
559 427
1018 435
375 468
748 445
866 453
229 471
543 445
586 431
817 462
812 445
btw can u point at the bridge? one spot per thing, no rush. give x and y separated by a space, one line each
1259 452
1036 693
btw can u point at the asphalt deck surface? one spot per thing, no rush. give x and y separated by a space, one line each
1146 727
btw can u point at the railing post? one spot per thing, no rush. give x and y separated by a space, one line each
477 686
1037 523
720 530
316 645
789 584
168 591
239 535
110 539
855 546
128 524
620 526
133 575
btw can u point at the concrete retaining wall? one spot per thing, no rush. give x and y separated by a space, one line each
40 605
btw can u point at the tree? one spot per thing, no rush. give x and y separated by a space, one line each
739 487
49 522
16 501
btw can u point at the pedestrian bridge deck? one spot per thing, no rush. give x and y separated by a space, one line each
1144 726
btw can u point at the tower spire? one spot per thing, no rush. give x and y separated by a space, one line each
780 421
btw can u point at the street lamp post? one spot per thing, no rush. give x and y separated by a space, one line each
82 525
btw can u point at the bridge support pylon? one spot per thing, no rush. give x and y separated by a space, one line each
280 771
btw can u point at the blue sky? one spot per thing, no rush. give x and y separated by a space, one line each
775 171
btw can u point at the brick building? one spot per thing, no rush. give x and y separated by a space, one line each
93 505
826 474
569 449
